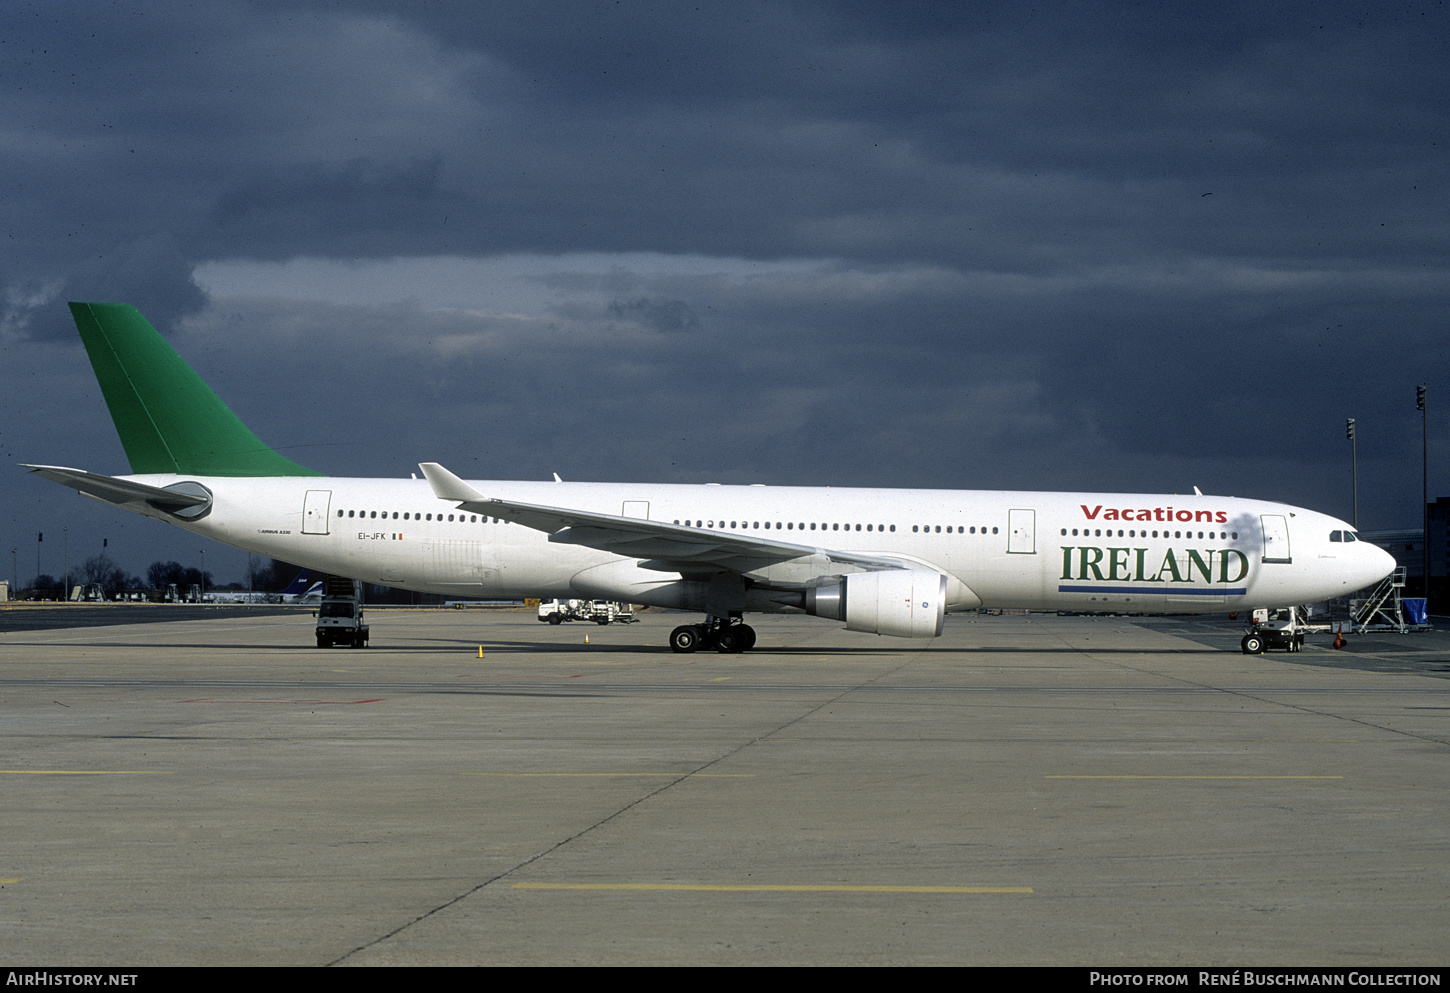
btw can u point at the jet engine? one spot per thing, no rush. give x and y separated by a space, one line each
904 603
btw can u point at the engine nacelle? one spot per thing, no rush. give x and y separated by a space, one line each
904 603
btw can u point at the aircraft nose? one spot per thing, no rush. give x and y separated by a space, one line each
1378 563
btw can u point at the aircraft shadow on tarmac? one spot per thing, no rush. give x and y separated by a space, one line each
533 647
596 648
1439 668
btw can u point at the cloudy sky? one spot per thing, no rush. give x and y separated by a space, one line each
1117 246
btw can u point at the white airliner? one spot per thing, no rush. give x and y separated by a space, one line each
883 561
298 591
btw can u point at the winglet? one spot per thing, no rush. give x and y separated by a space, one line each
447 486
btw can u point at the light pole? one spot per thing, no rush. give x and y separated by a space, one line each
1425 484
1353 469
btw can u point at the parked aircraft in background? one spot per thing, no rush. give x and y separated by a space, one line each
882 561
297 591
300 590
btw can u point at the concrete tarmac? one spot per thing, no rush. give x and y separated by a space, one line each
1023 790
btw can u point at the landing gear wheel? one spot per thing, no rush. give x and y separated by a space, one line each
685 639
748 634
1252 644
729 641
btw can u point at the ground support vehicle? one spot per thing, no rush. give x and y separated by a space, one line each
598 611
559 611
1281 628
340 614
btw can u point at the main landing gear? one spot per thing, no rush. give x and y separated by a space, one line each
728 636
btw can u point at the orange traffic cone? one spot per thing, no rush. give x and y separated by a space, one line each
1339 641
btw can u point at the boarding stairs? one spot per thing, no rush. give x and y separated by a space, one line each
1383 609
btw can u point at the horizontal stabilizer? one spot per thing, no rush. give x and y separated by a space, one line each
187 500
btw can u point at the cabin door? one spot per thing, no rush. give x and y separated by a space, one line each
1276 538
1022 531
314 511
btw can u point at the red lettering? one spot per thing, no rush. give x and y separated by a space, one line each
1166 514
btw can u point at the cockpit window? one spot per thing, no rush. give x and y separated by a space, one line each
1342 536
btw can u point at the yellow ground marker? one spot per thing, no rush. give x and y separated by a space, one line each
606 775
768 888
82 772
1193 777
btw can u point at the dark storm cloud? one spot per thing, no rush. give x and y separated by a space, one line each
1099 245
758 130
661 315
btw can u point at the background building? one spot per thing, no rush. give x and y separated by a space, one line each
1407 545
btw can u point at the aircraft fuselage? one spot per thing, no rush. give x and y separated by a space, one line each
1064 551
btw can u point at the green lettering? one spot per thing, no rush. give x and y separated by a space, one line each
1194 559
1138 575
1170 564
1223 576
1066 561
1118 558
1085 563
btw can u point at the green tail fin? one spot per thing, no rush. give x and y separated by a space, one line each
169 420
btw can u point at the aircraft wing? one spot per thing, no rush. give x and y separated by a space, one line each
180 499
665 546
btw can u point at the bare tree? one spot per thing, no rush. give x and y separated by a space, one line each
101 571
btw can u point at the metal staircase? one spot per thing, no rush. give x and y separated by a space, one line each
1383 608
